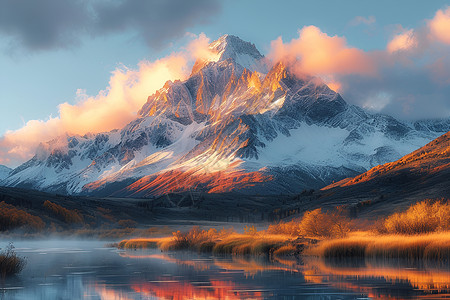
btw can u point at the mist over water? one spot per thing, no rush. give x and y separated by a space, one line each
89 270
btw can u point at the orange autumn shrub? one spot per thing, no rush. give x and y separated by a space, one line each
13 218
422 217
66 215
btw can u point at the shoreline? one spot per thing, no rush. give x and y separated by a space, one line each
430 246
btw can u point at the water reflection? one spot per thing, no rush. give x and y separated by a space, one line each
213 289
87 270
377 277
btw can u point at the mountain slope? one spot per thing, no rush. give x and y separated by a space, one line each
4 172
422 165
422 174
232 125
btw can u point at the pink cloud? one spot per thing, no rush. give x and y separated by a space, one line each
414 62
439 26
402 42
316 53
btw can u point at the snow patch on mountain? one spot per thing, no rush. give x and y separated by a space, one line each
311 143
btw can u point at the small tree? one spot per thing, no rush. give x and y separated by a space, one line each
314 223
325 224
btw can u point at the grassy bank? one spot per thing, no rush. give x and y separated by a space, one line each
220 242
430 246
421 232
281 239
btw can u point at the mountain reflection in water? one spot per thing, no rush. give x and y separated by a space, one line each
88 270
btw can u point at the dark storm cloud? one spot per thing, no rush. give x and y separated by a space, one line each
43 24
412 92
410 84
49 24
155 20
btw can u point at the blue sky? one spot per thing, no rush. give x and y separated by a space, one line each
39 72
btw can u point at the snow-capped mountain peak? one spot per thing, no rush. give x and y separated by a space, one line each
228 127
232 47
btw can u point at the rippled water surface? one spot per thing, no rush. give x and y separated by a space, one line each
89 270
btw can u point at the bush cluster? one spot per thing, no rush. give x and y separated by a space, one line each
422 217
315 223
66 215
13 218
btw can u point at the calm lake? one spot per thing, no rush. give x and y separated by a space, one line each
89 270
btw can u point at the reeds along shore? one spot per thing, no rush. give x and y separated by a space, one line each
432 246
10 262
234 243
421 232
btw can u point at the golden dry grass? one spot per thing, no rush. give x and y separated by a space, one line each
219 242
222 242
422 232
250 244
195 239
277 238
434 246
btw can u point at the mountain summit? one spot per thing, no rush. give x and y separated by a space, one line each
231 126
232 47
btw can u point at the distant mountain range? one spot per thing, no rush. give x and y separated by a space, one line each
422 174
429 163
234 125
4 172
